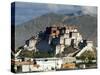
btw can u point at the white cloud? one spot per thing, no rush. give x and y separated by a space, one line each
90 10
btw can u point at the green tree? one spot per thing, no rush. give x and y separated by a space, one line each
88 56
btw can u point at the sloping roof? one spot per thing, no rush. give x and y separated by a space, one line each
70 50
86 48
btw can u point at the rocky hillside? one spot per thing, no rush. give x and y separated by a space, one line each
87 26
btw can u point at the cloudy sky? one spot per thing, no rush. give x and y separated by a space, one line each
26 11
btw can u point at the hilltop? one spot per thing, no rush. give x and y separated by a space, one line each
87 26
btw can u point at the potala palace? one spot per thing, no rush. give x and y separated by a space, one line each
60 37
65 41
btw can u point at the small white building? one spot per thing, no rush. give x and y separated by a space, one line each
59 48
90 43
31 44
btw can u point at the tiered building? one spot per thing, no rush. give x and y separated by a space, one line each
59 37
67 35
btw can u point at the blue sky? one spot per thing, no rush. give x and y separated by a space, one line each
26 11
